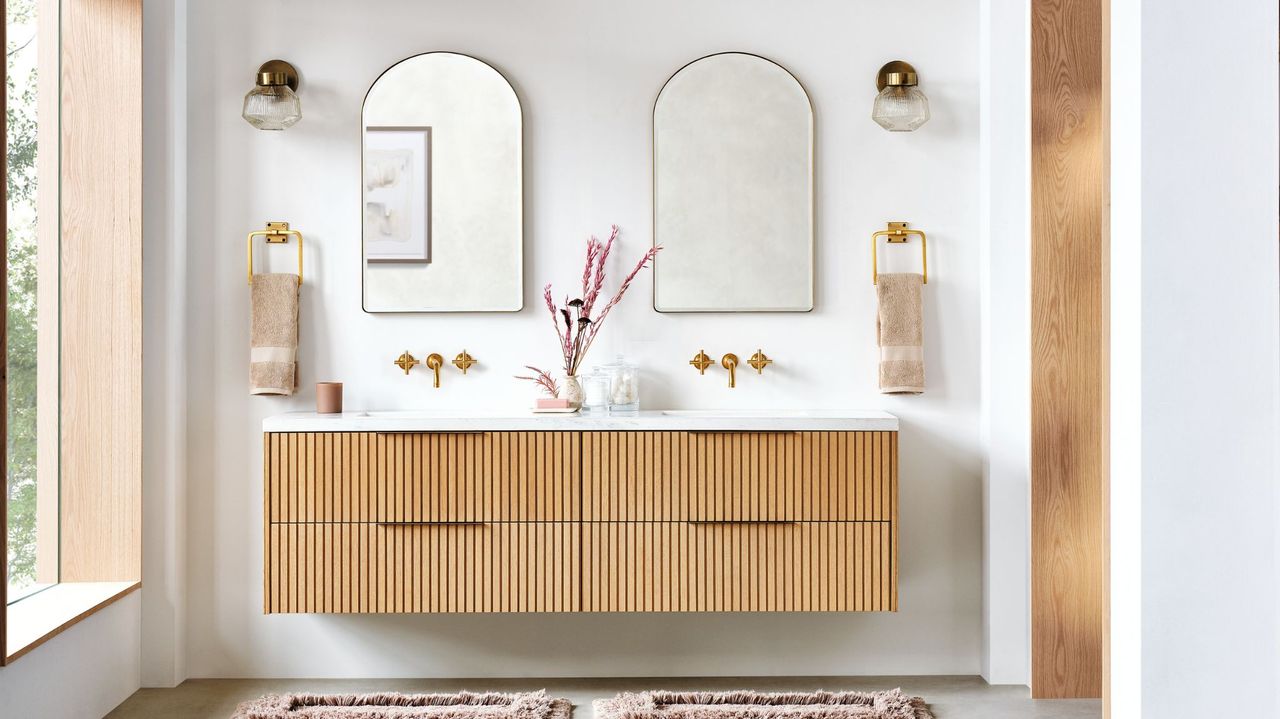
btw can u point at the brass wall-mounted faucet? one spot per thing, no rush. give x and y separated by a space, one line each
435 362
406 362
730 362
758 361
464 361
701 361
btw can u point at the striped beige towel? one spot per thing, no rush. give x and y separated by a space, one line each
273 344
900 333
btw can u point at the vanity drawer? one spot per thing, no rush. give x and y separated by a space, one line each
438 568
739 476
739 567
443 477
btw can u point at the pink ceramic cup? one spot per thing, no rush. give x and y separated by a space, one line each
328 397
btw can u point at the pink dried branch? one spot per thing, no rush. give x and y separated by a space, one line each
551 307
593 249
622 290
543 379
602 258
579 327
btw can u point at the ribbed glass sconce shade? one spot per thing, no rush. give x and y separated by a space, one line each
272 107
900 108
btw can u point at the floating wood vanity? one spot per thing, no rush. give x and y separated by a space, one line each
659 512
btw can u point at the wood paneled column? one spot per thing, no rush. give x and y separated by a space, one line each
1069 248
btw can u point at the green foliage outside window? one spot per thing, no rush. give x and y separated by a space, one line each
21 311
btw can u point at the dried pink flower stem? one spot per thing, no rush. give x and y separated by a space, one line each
626 284
543 379
580 328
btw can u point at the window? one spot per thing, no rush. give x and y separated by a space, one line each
71 329
31 401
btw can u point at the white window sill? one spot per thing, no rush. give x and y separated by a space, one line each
36 619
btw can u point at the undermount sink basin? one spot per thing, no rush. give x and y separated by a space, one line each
731 413
431 413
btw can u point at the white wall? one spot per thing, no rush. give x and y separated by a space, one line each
86 671
586 73
1006 339
164 306
1210 359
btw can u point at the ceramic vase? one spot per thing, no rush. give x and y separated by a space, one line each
571 390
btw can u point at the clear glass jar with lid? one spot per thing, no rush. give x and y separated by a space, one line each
595 391
624 386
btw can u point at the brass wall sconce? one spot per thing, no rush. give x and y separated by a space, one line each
273 104
900 106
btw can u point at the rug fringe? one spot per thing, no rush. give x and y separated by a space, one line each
893 704
459 705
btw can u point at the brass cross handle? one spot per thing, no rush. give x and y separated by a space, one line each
758 361
463 361
435 361
406 362
701 361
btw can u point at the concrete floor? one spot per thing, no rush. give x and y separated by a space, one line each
949 697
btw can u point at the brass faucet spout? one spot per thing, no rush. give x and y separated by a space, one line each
730 362
435 361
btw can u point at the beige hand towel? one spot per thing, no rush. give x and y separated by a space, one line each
900 333
273 345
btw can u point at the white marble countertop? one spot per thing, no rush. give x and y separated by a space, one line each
517 420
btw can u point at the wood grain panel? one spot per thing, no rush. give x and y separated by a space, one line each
1069 345
101 213
737 476
436 568
440 477
738 567
438 548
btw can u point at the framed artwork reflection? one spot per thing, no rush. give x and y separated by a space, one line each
397 194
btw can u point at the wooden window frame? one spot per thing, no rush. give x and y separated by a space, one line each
98 167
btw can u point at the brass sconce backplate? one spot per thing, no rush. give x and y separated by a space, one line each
283 68
896 72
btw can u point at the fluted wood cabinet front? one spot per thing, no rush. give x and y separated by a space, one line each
739 476
424 477
581 521
738 567
438 568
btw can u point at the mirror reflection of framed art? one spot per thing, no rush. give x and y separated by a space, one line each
397 194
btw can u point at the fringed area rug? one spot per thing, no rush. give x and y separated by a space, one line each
751 705
463 705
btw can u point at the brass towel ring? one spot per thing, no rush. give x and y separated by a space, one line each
899 233
276 233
